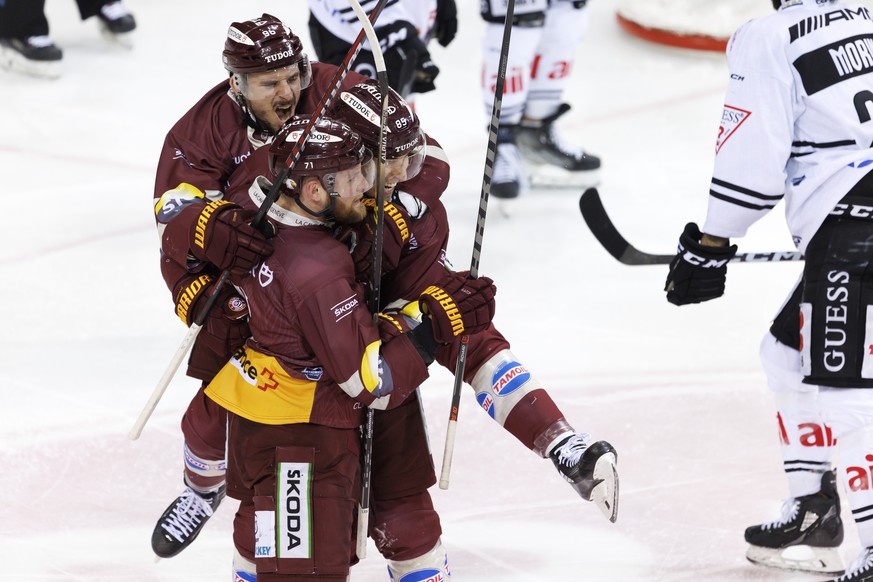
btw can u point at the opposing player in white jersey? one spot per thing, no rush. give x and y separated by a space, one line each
404 28
545 36
797 125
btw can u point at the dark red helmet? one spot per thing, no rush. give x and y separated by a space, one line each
331 147
264 44
360 107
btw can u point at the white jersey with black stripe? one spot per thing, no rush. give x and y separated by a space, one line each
797 117
338 17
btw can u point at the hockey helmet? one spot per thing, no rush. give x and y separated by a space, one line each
264 44
331 147
360 108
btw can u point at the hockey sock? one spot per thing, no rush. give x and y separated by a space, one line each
565 26
807 443
518 66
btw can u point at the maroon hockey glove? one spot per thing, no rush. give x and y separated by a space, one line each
697 272
223 236
394 236
391 325
459 305
225 329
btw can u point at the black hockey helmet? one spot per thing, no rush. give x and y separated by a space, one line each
264 44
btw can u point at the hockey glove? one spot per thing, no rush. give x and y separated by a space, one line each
394 236
697 272
223 236
446 25
459 305
225 329
407 60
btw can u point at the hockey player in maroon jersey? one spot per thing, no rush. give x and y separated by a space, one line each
504 387
294 391
270 79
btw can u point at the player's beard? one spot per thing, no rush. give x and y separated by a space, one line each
346 211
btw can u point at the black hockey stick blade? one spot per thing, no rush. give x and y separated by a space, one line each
607 235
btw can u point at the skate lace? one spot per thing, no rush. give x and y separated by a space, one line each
790 509
189 511
562 145
860 566
39 41
114 11
570 453
507 164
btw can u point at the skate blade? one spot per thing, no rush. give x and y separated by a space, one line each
547 176
123 40
799 559
12 61
605 493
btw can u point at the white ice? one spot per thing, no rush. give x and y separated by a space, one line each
88 326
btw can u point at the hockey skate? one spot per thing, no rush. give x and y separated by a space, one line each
35 55
550 161
861 569
117 23
182 521
806 537
590 469
509 178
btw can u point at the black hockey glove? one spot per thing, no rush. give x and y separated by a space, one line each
697 272
446 25
409 66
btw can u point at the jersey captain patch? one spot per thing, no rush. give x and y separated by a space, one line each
731 120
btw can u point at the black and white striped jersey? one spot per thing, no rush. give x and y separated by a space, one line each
796 119
339 19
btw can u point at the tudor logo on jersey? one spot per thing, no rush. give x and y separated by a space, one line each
731 120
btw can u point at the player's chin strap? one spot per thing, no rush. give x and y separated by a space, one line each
250 118
327 213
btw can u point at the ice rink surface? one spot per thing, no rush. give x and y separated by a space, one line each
88 326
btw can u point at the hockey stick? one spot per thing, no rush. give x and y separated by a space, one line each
270 198
607 235
376 281
461 362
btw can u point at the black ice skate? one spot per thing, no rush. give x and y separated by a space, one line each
590 469
116 22
509 177
550 160
183 520
861 569
805 537
35 55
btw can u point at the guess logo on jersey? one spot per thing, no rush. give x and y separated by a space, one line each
508 378
731 120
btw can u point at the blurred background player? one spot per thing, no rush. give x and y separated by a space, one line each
545 37
25 45
404 28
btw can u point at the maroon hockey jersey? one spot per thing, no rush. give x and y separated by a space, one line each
315 355
204 148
